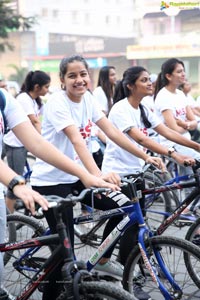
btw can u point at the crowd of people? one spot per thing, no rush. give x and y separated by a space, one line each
91 138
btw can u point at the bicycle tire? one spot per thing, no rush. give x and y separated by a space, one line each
14 279
100 291
173 251
159 203
193 233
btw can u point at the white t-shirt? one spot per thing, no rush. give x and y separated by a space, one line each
193 103
177 103
14 115
30 107
198 100
59 113
101 98
148 101
124 116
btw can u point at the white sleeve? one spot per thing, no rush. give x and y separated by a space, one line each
162 102
117 117
14 113
97 113
58 113
27 104
152 117
101 98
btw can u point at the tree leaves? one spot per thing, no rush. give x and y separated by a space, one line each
11 21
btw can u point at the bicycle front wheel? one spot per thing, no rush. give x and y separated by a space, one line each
100 291
172 251
21 265
158 205
193 235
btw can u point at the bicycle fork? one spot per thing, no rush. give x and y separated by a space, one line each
149 263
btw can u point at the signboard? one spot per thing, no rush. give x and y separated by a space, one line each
162 51
53 65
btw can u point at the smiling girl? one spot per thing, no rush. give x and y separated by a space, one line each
133 119
36 84
171 103
173 108
67 120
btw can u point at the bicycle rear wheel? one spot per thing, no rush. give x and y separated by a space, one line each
160 204
173 251
100 291
19 271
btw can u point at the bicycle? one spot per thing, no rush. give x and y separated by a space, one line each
173 169
169 218
148 245
160 203
35 271
159 206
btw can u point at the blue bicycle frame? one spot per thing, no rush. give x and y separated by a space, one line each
133 215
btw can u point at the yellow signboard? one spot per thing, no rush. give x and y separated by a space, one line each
162 51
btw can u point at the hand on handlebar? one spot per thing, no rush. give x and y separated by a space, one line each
105 181
184 159
30 197
157 162
112 178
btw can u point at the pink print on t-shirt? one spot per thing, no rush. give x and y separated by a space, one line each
86 131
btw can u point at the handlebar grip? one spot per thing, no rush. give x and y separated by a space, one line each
186 164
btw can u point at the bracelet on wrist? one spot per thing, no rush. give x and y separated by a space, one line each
171 150
17 180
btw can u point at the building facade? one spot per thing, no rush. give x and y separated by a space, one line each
108 32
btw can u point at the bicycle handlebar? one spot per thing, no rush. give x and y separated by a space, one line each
197 165
55 200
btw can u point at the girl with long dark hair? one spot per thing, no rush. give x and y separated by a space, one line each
36 84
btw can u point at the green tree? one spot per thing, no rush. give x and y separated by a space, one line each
11 21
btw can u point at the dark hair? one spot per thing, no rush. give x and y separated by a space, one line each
130 76
167 68
67 60
32 78
103 81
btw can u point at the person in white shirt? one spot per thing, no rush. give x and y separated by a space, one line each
16 119
195 106
149 102
171 103
173 108
104 94
105 88
35 85
134 119
67 120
